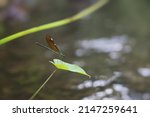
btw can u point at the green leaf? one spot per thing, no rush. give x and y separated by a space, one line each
59 64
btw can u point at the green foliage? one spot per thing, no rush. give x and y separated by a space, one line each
59 64
82 14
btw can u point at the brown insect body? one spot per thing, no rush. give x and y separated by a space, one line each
52 44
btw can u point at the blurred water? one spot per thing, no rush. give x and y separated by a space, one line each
112 45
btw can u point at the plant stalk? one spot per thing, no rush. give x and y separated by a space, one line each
33 96
82 14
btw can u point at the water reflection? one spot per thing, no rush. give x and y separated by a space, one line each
117 91
144 72
99 83
104 45
122 90
109 91
100 95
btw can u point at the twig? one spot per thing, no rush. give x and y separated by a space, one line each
33 96
87 11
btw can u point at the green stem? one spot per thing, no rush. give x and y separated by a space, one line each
33 96
62 22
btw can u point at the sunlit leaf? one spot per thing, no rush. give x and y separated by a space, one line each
59 64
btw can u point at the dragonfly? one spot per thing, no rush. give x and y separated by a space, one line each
51 45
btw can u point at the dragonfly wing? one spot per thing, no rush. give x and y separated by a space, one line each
52 44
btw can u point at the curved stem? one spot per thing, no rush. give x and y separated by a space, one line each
32 97
87 11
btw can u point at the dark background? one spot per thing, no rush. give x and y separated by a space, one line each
112 45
